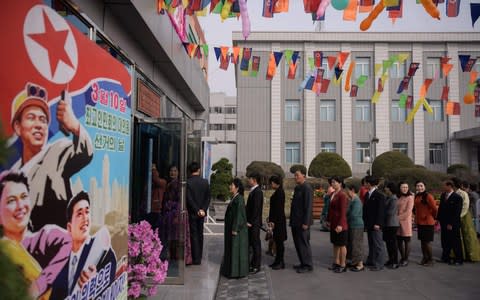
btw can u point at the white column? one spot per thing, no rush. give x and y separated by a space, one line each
419 120
346 112
453 147
276 115
382 108
309 114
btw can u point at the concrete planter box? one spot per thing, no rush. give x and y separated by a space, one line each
220 208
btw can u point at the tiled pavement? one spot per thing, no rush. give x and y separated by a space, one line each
256 286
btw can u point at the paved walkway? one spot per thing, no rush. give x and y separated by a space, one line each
412 282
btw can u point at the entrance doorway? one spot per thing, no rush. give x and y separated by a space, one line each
159 187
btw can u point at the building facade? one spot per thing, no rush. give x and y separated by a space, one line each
280 122
222 125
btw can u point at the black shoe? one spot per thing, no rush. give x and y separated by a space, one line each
305 269
333 267
296 267
278 266
393 266
357 269
254 271
340 269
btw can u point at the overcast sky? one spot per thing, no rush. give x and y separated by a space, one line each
415 19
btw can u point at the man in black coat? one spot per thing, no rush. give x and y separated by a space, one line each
301 219
254 221
198 200
449 217
373 218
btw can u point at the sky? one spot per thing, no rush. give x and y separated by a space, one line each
415 19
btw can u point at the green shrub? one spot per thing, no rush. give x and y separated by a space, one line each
458 169
221 179
327 164
266 169
433 180
389 161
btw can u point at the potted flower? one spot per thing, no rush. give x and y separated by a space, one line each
145 268
318 202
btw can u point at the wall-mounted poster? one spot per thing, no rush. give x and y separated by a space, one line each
66 111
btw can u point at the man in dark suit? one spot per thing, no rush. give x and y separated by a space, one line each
449 217
198 200
254 221
373 218
90 255
301 219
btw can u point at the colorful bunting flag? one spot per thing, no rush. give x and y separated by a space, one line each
272 67
445 60
353 91
235 52
409 103
361 80
474 12
375 97
310 82
224 51
318 56
445 91
217 52
471 87
325 84
463 61
395 12
380 85
311 63
453 108
350 12
342 57
413 68
295 56
255 66
402 57
247 53
292 70
224 61
453 8
288 56
402 101
446 68
280 6
278 57
470 64
319 75
338 71
331 61
473 76
268 8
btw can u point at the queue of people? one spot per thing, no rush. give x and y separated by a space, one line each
387 213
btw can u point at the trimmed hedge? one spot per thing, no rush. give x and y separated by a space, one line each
328 164
389 161
266 169
458 169
433 180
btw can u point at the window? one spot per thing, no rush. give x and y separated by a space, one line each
362 110
292 153
362 151
433 67
398 70
216 110
327 110
398 114
215 126
328 147
362 66
437 107
292 110
436 153
230 110
326 73
230 126
400 147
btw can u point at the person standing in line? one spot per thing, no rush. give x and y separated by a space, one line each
277 220
326 205
425 214
391 225
235 254
405 212
363 191
254 221
449 217
301 219
374 218
471 247
474 199
355 230
337 217
198 200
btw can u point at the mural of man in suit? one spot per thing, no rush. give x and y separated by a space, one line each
90 254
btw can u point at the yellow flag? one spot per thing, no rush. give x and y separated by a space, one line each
377 68
403 57
412 113
375 97
427 106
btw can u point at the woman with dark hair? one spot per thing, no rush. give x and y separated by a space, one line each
425 214
277 220
355 229
235 256
391 225
405 211
337 218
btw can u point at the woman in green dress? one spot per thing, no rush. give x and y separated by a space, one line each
235 256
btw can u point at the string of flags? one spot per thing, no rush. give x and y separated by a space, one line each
317 9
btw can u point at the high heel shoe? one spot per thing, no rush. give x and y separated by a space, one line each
340 269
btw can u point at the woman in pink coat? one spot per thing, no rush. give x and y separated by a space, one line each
404 233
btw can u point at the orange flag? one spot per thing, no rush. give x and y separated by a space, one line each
453 108
350 12
236 51
281 6
331 61
224 50
272 67
342 57
424 87
446 68
473 76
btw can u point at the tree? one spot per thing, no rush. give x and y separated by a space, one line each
389 161
266 169
328 164
221 179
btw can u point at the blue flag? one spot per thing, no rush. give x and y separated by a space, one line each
475 12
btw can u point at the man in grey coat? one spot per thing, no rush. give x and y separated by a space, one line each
301 219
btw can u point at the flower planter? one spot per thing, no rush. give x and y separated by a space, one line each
317 207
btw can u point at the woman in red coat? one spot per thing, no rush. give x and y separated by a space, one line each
337 218
425 214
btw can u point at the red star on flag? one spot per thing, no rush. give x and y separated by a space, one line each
54 42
